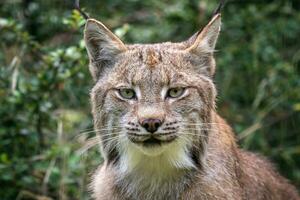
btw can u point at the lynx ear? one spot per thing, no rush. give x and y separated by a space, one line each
102 47
202 45
206 39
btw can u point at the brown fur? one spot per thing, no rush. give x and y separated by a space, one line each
203 161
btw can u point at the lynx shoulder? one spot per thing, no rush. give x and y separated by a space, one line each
161 138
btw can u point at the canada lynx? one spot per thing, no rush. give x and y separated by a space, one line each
161 138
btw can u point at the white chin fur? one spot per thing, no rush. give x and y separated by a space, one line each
173 155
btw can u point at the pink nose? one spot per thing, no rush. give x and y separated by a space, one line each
151 125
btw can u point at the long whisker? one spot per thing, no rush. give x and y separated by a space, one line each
193 134
198 135
204 124
97 131
86 147
102 129
94 131
199 129
106 126
98 137
91 142
200 122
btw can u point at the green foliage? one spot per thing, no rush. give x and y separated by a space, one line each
45 121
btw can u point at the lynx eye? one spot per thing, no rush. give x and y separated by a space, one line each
127 93
175 92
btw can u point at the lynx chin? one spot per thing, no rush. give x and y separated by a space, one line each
160 135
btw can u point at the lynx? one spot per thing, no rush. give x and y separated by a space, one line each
160 135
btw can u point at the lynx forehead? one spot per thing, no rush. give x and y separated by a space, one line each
152 58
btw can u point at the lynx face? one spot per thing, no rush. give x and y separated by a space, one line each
152 100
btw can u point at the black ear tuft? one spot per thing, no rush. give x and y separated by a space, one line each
77 7
220 7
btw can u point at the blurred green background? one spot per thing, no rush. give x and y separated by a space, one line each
45 119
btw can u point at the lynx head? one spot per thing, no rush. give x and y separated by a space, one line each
152 100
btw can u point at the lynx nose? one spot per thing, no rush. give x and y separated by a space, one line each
151 125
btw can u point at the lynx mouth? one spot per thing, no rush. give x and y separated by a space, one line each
153 142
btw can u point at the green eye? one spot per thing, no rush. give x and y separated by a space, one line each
127 93
175 92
